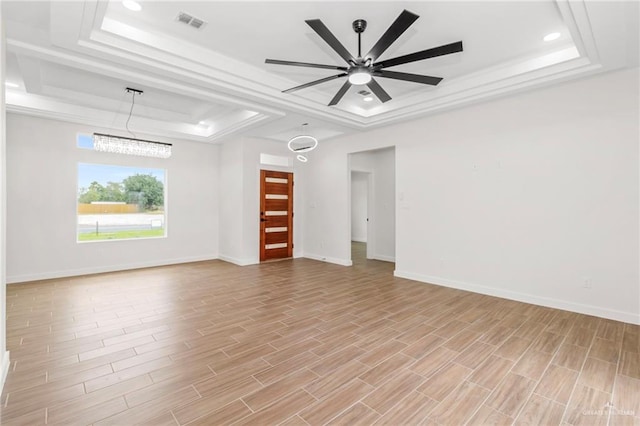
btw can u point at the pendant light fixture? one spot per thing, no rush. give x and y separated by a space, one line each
131 146
301 143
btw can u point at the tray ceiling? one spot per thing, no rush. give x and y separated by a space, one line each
73 60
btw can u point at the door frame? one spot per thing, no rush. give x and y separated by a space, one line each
371 233
262 216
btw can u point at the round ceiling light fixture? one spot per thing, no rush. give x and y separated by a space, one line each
303 142
551 36
360 76
302 158
367 99
132 5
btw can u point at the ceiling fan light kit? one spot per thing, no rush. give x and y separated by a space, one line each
360 76
361 70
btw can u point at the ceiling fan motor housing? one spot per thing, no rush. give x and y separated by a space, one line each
359 25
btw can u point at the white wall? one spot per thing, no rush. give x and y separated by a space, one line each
231 202
524 197
41 197
359 198
4 354
240 198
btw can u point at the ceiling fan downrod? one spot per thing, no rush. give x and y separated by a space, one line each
359 25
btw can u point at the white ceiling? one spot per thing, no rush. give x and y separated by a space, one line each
73 60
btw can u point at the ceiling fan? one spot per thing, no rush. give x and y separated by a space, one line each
363 69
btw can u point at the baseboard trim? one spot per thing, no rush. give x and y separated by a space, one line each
358 240
548 302
16 279
334 260
238 261
6 361
384 258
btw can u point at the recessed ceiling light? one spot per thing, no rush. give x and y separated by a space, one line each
132 5
302 158
11 84
367 99
551 37
202 122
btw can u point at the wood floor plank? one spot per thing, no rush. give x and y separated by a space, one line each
587 406
475 354
413 409
357 414
557 383
276 390
570 356
489 416
331 382
491 372
325 410
433 361
280 410
460 405
513 348
511 394
540 411
78 411
226 415
598 374
393 391
442 383
532 364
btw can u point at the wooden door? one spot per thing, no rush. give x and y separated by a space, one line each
276 215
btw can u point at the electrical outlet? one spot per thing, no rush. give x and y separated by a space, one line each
587 283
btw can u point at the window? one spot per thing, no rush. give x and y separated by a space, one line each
84 141
117 202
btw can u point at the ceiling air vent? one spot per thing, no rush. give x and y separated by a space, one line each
185 18
364 92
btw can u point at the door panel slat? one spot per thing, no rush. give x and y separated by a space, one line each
276 237
273 174
276 221
276 205
277 253
276 188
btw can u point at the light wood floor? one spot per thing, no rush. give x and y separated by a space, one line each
304 342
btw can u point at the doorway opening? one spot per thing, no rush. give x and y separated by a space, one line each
373 211
360 184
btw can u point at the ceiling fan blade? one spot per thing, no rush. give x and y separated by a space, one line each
415 78
330 39
396 29
378 91
340 93
304 64
313 83
419 56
